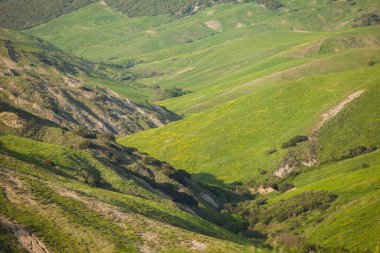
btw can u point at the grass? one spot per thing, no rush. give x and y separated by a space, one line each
232 143
356 206
258 81
57 215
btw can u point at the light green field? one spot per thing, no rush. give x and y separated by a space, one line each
230 141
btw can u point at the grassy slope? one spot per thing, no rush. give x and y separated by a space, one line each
22 160
250 41
309 64
356 207
30 45
123 37
233 142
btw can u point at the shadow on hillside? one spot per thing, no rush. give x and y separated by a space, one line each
208 178
33 161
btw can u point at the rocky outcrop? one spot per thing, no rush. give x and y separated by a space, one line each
52 85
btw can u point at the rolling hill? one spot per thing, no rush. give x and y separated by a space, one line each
277 139
19 14
67 186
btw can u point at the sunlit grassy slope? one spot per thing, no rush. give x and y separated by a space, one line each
357 204
259 77
231 140
69 214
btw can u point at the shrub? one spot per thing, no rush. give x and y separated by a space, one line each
48 163
179 197
284 187
271 151
146 159
368 19
177 175
258 211
364 166
86 145
270 4
293 142
359 150
101 98
167 169
84 133
371 63
107 136
184 198
263 172
180 176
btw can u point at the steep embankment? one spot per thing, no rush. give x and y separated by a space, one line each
59 87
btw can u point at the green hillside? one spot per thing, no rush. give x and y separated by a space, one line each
233 143
19 14
357 189
51 200
67 186
263 115
132 37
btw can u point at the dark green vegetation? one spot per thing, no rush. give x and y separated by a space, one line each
133 8
20 14
278 145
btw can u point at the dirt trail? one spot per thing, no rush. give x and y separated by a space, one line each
30 242
327 116
180 72
311 158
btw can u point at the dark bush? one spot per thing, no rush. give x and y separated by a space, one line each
107 136
284 187
359 150
180 176
101 98
167 169
368 19
371 63
270 4
293 142
48 163
364 166
271 151
146 159
258 211
84 133
179 197
184 198
263 172
177 175
86 145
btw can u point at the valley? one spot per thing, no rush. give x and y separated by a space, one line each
190 126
